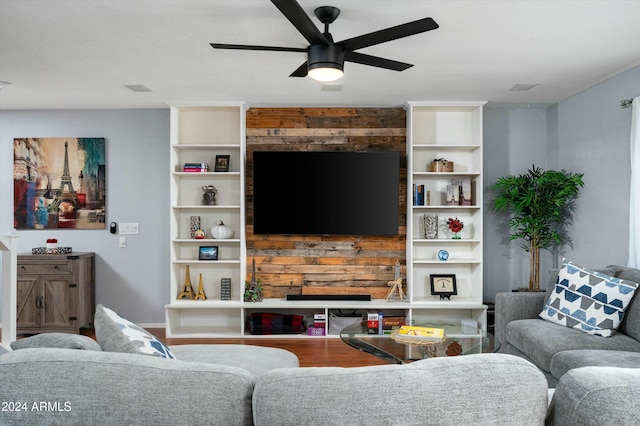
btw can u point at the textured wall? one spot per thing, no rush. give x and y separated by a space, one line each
325 264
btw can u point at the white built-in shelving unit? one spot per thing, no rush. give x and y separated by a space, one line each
451 130
198 134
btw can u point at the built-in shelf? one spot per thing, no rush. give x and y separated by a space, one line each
451 130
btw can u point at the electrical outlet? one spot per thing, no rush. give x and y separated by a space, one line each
123 242
129 228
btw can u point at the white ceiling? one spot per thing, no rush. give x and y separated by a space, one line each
82 53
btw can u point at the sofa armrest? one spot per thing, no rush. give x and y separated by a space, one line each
596 396
513 306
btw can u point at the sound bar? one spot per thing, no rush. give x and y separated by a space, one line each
365 297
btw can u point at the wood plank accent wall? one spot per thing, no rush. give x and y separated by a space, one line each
325 264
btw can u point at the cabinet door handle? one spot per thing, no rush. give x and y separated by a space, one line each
38 302
23 267
56 267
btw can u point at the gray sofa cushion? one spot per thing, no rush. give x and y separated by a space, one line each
631 321
490 389
109 388
540 340
564 361
256 359
597 396
57 340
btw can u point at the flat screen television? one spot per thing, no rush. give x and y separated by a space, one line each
326 193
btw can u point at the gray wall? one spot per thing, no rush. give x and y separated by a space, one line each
588 133
133 280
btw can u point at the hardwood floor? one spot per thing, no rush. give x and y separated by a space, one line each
312 352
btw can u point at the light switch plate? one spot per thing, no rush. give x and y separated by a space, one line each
129 228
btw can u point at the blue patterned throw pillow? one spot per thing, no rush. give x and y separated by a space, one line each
116 334
587 300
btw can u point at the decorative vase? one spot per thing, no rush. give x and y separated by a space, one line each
209 195
456 235
430 223
194 225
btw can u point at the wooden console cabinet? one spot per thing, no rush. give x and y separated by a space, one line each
56 292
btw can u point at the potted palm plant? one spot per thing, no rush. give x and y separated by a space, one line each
540 204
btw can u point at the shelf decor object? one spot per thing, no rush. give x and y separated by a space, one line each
221 231
456 227
225 288
253 291
440 165
443 255
208 253
200 295
187 290
443 285
194 225
209 195
430 221
222 163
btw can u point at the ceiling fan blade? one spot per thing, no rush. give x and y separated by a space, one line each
375 61
388 34
301 71
249 47
297 16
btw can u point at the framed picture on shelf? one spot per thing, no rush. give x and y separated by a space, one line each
222 163
208 253
443 285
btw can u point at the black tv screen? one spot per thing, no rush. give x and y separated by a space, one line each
326 193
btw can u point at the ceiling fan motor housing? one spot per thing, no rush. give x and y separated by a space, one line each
320 56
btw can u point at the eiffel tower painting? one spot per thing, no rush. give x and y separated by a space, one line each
69 195
59 183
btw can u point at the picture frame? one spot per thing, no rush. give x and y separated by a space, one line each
443 285
222 163
208 253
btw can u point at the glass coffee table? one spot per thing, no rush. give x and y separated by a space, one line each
458 342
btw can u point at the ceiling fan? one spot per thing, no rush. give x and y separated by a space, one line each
325 58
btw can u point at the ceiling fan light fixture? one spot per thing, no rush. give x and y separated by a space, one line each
325 63
325 72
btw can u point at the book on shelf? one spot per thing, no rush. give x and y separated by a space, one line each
418 195
422 333
388 322
195 167
319 320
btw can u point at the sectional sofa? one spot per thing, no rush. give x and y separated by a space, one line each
43 386
556 349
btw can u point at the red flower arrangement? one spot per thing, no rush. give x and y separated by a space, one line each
455 225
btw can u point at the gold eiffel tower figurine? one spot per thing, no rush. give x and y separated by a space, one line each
187 290
200 294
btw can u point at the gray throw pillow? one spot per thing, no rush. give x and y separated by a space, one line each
116 334
57 340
